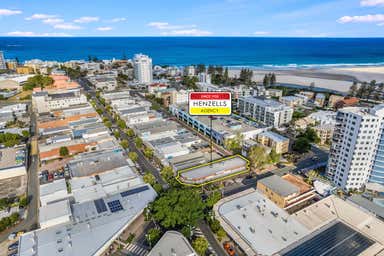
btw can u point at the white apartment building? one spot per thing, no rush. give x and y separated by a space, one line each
204 78
142 65
356 141
269 112
189 71
44 102
2 61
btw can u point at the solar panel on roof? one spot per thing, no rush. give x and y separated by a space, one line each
115 206
100 205
134 191
337 240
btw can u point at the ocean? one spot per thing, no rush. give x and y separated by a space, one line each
226 51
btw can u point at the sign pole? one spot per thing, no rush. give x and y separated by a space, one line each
211 117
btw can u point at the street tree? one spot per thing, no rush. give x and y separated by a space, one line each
133 156
149 178
124 144
200 244
257 156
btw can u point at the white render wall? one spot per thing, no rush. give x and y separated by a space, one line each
353 147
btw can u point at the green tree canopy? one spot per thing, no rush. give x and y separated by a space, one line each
302 145
234 144
38 81
124 144
258 156
153 235
64 151
149 178
133 156
176 208
213 198
200 245
138 142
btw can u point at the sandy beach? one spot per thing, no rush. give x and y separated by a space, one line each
338 78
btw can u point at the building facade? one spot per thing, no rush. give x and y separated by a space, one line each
269 112
142 65
2 61
356 147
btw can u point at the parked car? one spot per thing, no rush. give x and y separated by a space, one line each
12 236
229 249
13 246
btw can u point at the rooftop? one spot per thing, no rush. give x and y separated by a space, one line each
87 164
274 136
267 103
214 170
172 243
93 227
254 220
12 157
279 185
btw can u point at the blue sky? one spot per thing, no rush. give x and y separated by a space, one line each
296 18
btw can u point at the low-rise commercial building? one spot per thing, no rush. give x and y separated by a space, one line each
289 192
330 225
216 170
100 208
172 243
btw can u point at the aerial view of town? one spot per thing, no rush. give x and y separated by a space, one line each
158 128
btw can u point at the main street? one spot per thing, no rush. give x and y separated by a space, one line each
143 162
31 221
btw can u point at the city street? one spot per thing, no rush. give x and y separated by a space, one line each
143 162
31 220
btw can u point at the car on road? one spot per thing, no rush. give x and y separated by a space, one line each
315 158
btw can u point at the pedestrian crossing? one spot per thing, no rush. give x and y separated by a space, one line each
134 250
197 232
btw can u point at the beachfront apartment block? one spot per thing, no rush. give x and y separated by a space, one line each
2 61
293 101
142 65
356 152
269 112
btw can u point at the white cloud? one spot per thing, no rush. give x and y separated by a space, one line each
115 20
67 26
166 25
41 16
380 24
52 21
29 33
7 12
363 18
187 32
104 28
261 33
86 19
371 2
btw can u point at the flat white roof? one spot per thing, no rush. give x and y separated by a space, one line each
216 168
263 226
172 243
